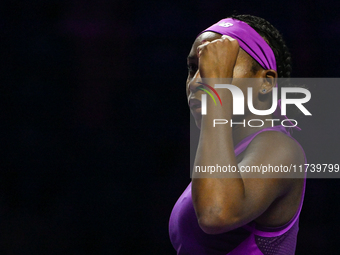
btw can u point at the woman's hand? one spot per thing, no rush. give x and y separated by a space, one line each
216 62
217 58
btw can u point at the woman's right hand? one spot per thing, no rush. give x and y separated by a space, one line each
217 58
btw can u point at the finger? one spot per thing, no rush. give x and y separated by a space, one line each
201 47
223 38
227 37
230 39
204 42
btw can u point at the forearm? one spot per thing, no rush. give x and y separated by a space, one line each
217 200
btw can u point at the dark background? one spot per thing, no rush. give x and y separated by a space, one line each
95 125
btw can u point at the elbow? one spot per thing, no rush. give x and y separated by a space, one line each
217 223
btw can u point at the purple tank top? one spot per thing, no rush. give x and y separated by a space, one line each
187 237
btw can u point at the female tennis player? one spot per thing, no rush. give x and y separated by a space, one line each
243 212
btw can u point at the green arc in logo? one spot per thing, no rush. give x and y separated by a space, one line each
208 94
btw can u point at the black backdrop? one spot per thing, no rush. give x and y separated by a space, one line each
95 126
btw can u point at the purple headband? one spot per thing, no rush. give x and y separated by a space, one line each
252 43
249 40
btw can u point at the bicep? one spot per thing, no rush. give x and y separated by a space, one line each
223 204
266 170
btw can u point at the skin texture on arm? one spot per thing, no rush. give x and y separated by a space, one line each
223 204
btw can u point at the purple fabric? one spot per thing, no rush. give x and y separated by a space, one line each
249 40
187 237
252 43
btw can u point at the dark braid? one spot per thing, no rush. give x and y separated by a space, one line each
282 55
274 40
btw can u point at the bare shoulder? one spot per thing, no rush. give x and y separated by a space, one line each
275 156
278 149
274 147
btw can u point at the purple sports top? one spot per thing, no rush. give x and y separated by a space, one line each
188 238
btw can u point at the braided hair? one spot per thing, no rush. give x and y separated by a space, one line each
274 39
281 52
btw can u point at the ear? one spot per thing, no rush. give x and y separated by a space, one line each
269 81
